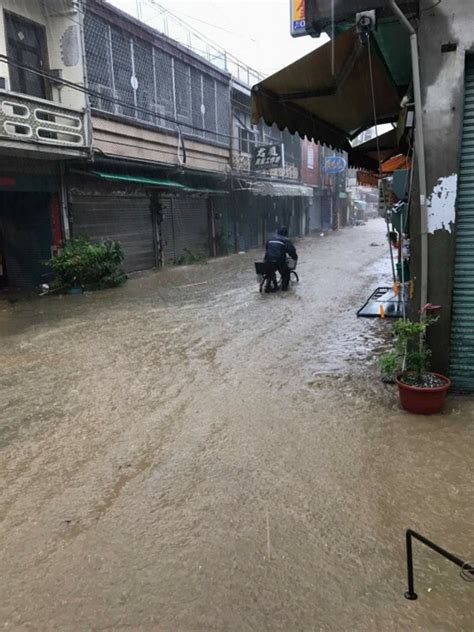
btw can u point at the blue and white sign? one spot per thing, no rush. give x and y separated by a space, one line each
334 164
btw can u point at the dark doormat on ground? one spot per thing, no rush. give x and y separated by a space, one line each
393 304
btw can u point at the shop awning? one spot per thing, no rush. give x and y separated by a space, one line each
206 191
279 189
333 108
397 162
120 177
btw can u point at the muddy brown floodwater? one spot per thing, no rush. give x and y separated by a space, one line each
182 454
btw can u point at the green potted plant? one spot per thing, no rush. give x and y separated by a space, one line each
83 264
421 391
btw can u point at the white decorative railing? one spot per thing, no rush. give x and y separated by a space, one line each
35 120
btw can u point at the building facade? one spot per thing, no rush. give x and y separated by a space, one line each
446 41
161 128
265 197
112 130
44 125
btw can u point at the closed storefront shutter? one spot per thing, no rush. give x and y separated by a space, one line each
102 211
315 223
250 221
25 237
326 206
185 227
167 230
224 223
462 332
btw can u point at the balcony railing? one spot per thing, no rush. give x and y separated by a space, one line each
34 120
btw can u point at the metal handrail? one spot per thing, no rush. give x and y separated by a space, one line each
466 569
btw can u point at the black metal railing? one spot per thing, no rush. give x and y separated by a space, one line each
467 571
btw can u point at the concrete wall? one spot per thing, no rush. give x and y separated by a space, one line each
442 76
64 42
140 143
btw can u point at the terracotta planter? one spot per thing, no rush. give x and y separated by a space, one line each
424 401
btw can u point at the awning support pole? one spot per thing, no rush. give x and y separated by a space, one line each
420 151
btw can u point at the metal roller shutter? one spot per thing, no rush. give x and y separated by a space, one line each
462 329
249 218
185 227
167 230
25 237
225 226
124 216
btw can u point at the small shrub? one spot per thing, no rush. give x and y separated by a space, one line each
189 258
223 243
93 266
410 356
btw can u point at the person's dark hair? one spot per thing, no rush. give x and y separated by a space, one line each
283 231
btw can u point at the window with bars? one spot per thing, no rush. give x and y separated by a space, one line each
271 135
26 44
132 78
123 73
164 104
209 101
292 145
182 91
246 141
145 91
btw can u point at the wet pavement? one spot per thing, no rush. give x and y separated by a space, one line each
183 454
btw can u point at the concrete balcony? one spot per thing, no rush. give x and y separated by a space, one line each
36 127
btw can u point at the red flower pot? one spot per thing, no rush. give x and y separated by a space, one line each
424 401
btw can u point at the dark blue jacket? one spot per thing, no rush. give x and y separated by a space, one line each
278 247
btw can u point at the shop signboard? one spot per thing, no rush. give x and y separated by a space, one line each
297 18
334 164
268 157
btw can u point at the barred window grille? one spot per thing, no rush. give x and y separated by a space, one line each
145 91
97 45
196 97
164 89
223 110
123 73
209 101
132 78
182 90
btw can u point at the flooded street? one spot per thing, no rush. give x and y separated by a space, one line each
183 454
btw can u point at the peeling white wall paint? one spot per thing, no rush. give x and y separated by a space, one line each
442 204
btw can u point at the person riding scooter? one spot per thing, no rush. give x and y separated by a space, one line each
276 251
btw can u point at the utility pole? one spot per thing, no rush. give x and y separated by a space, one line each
419 150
